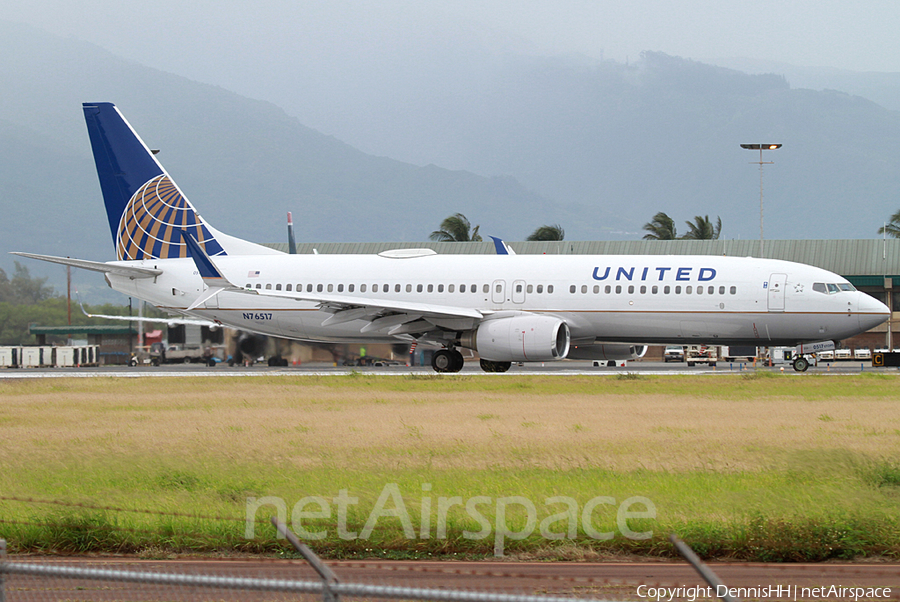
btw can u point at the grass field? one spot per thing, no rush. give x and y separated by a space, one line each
754 466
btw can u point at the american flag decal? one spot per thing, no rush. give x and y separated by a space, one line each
253 274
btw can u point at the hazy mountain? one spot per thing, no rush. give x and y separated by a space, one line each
243 163
602 145
661 133
881 88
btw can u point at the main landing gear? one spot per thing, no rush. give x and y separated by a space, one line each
447 360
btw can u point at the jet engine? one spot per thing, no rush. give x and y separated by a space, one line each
249 345
603 351
528 338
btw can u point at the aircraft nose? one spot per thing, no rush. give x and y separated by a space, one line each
872 312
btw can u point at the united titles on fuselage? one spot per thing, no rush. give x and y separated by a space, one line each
659 274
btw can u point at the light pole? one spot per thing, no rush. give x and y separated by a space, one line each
761 148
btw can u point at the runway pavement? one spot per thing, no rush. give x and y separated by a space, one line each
562 368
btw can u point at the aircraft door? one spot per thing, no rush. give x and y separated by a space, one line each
776 291
498 291
518 291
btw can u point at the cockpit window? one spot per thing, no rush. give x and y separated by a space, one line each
830 288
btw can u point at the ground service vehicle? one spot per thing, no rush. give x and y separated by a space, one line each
701 354
673 354
734 353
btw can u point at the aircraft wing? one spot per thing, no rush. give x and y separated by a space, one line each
395 317
96 266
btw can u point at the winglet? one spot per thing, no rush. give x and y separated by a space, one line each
501 247
212 277
292 244
208 270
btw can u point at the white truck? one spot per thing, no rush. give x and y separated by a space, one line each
701 354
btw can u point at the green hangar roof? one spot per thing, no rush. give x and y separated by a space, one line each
856 260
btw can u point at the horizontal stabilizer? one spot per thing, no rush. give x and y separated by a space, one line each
168 321
97 266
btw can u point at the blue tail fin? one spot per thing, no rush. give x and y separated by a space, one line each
144 206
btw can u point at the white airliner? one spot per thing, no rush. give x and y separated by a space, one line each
506 307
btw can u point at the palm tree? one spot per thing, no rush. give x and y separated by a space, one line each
552 232
456 228
661 227
892 228
702 229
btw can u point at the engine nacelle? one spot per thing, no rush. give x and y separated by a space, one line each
531 338
606 352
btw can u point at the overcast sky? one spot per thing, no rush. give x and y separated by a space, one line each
190 37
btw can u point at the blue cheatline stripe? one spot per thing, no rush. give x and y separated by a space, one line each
204 265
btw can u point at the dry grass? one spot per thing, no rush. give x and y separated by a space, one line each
729 461
308 423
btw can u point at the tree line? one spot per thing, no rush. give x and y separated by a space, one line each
662 227
27 300
458 228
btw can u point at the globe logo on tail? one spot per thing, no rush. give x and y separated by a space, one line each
148 226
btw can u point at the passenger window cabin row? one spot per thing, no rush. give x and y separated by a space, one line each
655 289
518 287
376 288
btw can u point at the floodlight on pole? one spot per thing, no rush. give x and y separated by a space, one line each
761 148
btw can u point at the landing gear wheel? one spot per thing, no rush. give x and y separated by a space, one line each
489 366
801 364
458 361
447 360
442 361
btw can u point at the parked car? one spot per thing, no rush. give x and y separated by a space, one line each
674 353
843 354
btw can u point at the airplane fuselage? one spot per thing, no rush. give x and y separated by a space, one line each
613 298
508 308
